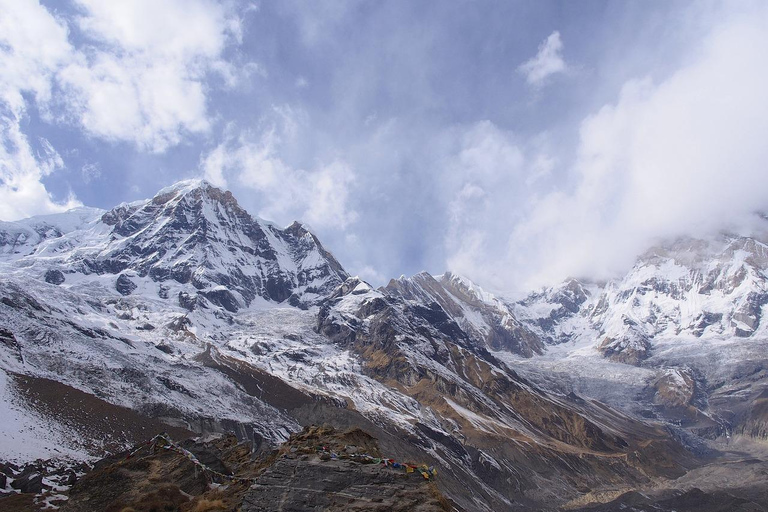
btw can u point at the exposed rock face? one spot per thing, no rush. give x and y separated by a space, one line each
482 400
301 481
480 315
631 345
12 345
675 388
309 485
195 233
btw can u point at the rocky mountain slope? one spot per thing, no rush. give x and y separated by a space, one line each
185 312
689 316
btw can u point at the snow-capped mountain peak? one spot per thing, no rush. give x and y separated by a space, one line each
713 288
192 237
480 314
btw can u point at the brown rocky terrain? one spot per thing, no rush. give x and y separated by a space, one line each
319 468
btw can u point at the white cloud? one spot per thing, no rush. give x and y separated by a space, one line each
142 77
320 196
21 169
139 77
151 104
33 45
90 172
486 183
547 62
172 29
683 156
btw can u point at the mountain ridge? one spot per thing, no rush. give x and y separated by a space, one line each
188 311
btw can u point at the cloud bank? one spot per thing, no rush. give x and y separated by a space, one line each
684 156
318 196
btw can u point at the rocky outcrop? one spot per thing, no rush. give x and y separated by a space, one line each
487 320
339 478
317 469
194 233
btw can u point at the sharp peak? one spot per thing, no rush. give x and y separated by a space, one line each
299 228
185 186
453 276
194 188
444 277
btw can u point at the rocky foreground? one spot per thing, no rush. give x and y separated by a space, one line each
319 468
322 468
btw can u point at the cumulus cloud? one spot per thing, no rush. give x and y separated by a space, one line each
138 75
22 166
141 76
319 196
33 45
547 61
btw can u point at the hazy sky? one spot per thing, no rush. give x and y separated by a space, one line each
516 143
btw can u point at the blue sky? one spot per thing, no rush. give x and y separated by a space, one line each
514 142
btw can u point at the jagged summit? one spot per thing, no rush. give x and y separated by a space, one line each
187 185
487 319
190 233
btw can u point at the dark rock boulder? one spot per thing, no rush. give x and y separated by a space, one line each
54 277
30 481
124 285
224 298
9 340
